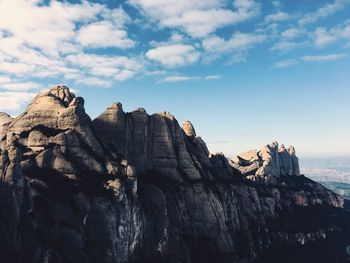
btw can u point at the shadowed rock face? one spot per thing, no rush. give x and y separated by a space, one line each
133 187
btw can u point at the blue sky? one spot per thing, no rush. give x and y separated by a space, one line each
244 72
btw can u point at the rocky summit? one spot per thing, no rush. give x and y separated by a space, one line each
134 187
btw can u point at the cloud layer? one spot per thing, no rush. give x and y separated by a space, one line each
95 45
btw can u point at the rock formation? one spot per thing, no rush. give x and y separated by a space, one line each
133 187
267 164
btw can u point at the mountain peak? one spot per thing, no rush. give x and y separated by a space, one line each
136 187
189 130
269 163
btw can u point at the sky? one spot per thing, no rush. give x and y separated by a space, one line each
244 72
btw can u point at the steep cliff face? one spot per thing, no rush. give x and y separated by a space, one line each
133 187
65 197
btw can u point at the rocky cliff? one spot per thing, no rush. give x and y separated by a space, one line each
267 164
133 187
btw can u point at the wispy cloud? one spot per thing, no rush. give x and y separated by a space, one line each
236 46
197 18
10 100
21 86
277 17
293 32
309 59
286 63
92 44
212 77
174 55
5 79
94 82
323 38
180 78
114 67
324 11
285 45
104 34
323 58
46 41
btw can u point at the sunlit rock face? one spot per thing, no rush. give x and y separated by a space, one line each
267 164
134 187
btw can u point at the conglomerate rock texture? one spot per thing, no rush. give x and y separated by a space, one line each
133 187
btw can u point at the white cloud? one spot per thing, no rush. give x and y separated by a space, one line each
236 46
124 75
10 100
179 78
174 55
16 68
93 82
21 86
72 76
324 11
212 77
116 67
45 27
343 31
277 17
323 38
323 58
40 40
309 59
285 45
238 41
4 79
286 63
104 34
96 61
292 33
197 18
103 71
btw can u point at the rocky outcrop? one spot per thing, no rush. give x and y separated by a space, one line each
5 119
267 164
133 187
61 189
188 129
155 144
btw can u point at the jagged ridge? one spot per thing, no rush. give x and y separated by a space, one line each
133 187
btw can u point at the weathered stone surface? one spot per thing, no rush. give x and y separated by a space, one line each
50 156
154 144
295 161
189 129
268 163
133 187
5 119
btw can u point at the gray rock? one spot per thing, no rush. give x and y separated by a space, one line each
189 129
133 187
268 163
